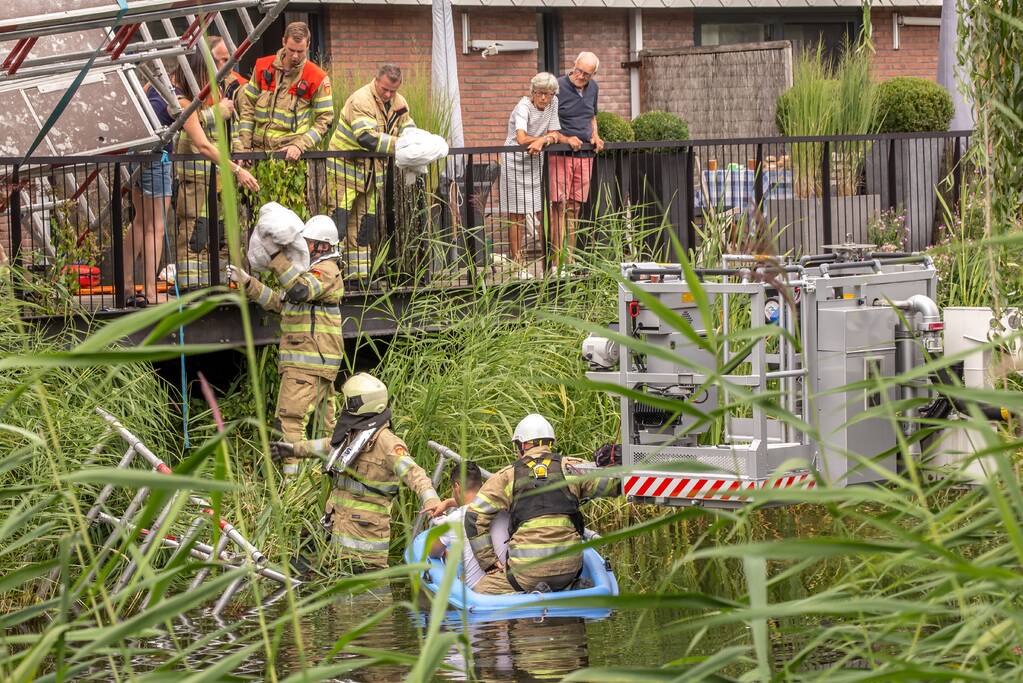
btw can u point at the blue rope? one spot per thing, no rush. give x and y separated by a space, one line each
181 328
73 88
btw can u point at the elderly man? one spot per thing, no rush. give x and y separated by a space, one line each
370 121
570 173
192 224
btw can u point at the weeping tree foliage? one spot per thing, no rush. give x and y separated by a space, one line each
990 44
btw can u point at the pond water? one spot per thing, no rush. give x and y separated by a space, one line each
501 650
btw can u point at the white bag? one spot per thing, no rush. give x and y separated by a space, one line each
416 149
278 228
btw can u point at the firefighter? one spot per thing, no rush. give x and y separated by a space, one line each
371 119
286 106
311 345
192 189
543 523
358 511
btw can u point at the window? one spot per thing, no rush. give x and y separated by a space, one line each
804 28
724 33
548 35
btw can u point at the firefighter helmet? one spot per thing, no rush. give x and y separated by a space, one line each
533 427
364 395
321 229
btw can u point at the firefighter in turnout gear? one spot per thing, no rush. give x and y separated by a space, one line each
370 121
286 105
192 222
542 524
358 512
311 343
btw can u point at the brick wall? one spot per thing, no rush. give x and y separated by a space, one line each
667 28
918 51
606 34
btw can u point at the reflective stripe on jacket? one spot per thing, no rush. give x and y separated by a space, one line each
539 537
274 118
365 123
309 304
360 502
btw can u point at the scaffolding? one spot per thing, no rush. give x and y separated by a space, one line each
231 550
46 45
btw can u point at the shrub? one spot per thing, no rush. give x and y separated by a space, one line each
614 128
660 125
790 115
908 104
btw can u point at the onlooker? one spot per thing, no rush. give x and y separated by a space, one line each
152 192
570 173
533 122
192 224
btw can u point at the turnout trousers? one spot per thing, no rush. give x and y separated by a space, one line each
303 396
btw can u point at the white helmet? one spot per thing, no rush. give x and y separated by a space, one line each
364 395
532 427
321 229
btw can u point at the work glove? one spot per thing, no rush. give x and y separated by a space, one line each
279 450
238 276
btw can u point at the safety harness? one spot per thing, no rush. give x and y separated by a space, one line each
529 500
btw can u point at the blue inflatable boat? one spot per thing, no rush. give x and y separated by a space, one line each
517 605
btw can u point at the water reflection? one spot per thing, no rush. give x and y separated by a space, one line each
499 650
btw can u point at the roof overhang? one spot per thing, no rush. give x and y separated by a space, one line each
657 4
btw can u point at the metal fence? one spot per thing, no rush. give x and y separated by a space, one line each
86 227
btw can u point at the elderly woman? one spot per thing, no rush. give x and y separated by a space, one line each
534 123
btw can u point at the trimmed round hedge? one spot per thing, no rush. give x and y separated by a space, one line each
909 105
660 125
614 128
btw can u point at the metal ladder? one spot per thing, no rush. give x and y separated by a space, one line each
231 551
32 38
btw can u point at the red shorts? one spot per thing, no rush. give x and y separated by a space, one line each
569 177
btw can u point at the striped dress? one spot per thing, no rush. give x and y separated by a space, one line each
520 172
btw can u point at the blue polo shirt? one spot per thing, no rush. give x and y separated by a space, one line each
576 110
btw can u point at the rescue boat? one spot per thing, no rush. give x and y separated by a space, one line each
596 571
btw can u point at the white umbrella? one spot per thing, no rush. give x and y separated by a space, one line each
950 73
444 71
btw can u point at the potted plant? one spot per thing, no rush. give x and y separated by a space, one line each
827 100
610 188
911 105
657 173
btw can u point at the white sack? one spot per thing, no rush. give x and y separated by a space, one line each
277 229
416 149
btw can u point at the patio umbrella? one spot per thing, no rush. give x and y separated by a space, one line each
444 70
950 73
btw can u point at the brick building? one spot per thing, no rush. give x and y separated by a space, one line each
358 36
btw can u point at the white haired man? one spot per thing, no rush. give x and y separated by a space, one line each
570 173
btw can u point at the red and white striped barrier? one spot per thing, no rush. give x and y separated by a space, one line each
708 488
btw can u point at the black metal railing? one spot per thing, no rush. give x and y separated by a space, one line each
84 226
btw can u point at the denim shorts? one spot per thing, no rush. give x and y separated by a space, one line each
154 179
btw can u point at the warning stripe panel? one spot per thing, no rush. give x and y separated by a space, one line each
708 489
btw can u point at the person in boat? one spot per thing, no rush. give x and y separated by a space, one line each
464 487
545 518
358 511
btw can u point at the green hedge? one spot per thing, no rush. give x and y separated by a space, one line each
614 128
660 125
910 105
